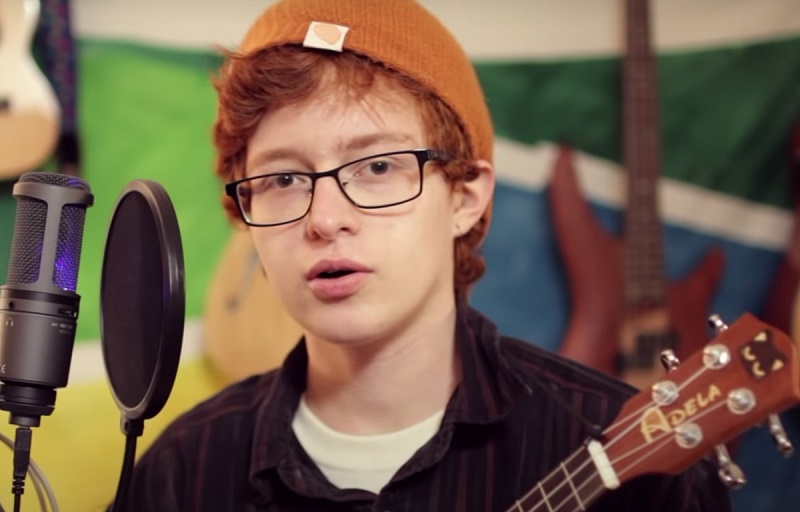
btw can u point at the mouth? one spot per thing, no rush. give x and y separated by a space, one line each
331 269
333 274
333 280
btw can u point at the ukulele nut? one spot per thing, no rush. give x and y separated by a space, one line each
741 401
716 356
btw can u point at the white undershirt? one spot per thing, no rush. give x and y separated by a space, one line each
359 462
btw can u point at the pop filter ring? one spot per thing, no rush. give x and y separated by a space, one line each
173 294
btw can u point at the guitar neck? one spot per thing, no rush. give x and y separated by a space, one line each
748 372
644 260
572 486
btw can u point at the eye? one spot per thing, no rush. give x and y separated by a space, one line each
283 180
372 168
379 167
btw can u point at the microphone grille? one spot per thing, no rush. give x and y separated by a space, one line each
68 248
27 241
29 229
51 178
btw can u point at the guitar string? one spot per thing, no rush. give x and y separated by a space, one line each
654 447
660 442
537 487
698 416
663 439
630 418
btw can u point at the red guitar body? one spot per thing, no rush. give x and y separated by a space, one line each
594 265
624 313
781 303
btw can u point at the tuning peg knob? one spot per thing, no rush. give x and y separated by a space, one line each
716 357
785 447
729 472
716 323
669 360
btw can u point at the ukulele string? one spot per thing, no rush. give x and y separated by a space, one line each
630 419
539 486
651 448
661 439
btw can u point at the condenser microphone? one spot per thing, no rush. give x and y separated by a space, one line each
38 303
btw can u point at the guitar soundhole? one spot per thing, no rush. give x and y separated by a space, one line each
648 346
5 105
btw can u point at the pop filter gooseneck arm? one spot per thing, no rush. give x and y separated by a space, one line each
142 310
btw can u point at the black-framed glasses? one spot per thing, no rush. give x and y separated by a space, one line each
376 181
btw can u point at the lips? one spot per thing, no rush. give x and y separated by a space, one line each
332 269
336 279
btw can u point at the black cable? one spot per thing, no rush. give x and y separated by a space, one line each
22 458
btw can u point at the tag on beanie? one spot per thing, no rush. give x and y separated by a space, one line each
325 36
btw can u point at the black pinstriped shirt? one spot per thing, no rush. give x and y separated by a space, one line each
512 420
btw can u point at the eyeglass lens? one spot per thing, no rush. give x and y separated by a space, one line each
372 182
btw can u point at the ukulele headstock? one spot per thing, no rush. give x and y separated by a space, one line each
749 372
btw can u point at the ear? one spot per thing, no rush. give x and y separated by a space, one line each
473 197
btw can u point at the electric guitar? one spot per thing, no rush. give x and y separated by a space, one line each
623 313
782 306
746 374
29 109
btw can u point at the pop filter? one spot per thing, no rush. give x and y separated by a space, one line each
142 309
142 300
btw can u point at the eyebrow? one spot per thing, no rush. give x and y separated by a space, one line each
366 141
356 143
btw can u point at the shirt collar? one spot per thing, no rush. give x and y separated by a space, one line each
488 387
485 394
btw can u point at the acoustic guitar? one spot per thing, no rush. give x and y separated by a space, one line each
29 109
747 374
623 312
246 330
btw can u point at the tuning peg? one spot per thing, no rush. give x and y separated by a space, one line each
785 447
716 323
669 360
729 472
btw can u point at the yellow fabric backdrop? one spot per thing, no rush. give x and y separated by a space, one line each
79 448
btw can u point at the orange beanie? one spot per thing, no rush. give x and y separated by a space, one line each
401 34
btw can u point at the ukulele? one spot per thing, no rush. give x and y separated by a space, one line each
747 374
623 311
29 110
246 330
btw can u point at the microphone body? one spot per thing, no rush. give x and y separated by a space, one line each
38 304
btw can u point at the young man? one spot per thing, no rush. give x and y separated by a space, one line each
357 147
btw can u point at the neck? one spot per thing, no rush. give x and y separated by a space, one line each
383 387
571 487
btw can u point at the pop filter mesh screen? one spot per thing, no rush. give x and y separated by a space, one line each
132 299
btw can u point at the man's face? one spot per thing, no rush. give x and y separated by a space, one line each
349 275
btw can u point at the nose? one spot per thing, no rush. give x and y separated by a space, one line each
331 212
